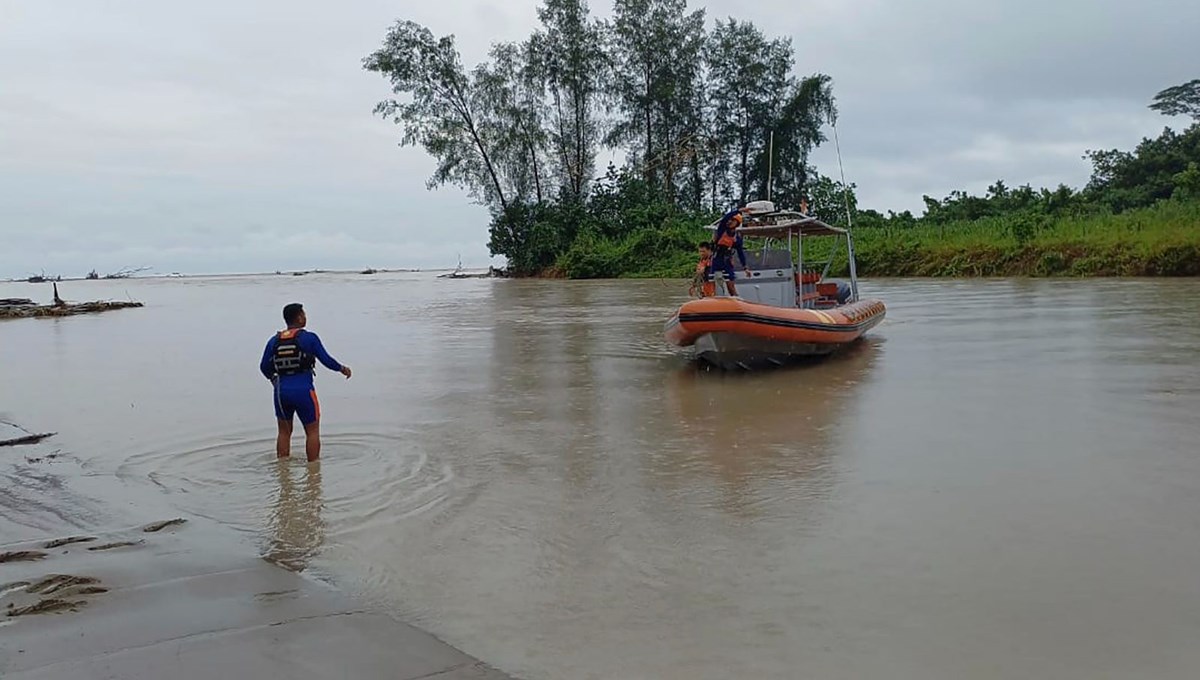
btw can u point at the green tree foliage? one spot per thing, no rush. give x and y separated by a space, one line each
1157 168
828 199
756 95
443 110
798 130
655 46
1187 183
750 76
1122 180
1180 100
516 113
693 112
569 60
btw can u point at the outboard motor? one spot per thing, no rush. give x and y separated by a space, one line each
843 292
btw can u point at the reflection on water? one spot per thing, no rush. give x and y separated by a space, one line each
757 430
1001 482
295 524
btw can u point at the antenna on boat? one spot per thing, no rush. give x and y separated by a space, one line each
846 198
770 162
842 172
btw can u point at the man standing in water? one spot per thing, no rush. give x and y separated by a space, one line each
288 362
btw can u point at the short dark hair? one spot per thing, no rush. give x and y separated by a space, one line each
706 244
291 312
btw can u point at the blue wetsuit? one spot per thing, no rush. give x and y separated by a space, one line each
723 258
294 393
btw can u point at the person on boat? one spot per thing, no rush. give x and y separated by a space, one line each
288 362
702 282
726 241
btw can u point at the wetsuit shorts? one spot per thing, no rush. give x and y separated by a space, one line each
723 262
297 401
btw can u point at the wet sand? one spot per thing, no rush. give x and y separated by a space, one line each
179 600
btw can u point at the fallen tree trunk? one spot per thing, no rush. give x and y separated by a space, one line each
28 439
64 309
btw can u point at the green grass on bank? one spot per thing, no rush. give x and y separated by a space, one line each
667 252
1162 240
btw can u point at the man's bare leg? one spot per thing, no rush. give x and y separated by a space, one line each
730 287
283 443
312 441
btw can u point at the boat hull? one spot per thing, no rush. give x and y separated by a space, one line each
730 332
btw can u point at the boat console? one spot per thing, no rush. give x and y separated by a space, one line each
771 280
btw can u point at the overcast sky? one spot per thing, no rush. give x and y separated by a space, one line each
225 136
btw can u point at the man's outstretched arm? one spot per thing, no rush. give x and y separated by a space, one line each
317 349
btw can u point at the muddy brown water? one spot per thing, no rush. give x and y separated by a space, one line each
1002 481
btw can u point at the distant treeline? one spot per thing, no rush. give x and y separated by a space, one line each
1138 215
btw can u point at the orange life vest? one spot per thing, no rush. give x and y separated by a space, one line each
729 237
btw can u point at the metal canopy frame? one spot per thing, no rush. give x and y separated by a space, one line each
782 225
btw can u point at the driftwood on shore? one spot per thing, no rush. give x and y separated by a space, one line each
65 309
20 308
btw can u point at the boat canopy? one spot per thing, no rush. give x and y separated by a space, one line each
782 223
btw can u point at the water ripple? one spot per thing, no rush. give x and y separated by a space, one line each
379 479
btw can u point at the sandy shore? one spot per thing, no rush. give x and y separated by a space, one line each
139 604
180 600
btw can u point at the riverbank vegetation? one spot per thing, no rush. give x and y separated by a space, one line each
703 117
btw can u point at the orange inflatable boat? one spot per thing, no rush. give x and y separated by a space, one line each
784 309
731 332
